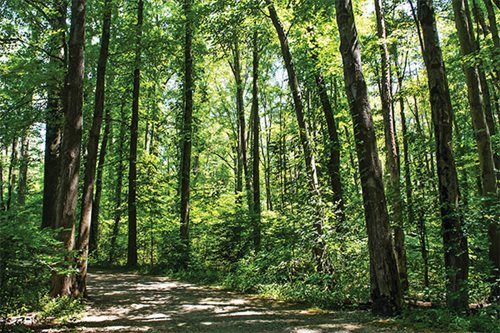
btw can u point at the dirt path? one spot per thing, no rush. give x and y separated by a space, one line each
131 303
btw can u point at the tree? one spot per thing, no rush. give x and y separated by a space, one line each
187 131
2 202
23 170
242 159
134 127
11 176
92 146
392 158
454 240
481 131
72 139
118 189
385 285
333 136
256 210
293 82
55 113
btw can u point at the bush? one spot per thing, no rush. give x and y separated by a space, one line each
484 320
27 256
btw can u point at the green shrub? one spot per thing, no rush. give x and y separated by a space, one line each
27 256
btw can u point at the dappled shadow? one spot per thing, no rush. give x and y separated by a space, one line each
124 302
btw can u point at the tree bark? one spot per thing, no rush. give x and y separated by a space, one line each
96 205
406 146
2 202
386 291
319 247
463 23
55 114
255 148
12 174
72 139
242 137
90 165
493 23
392 156
187 131
454 240
134 127
118 190
23 171
333 136
334 148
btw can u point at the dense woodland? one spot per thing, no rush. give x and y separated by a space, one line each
334 152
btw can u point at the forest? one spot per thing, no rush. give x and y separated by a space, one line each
336 153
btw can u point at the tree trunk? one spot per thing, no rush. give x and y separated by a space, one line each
493 23
255 148
90 165
242 137
406 147
319 247
23 170
96 205
351 159
454 240
2 202
385 285
333 136
392 156
420 183
334 148
118 190
72 140
134 127
55 114
482 133
187 133
493 28
485 88
12 175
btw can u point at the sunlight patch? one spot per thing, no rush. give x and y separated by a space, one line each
305 330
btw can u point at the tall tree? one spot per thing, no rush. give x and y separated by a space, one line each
242 161
333 136
385 284
293 82
454 240
11 177
493 22
55 112
256 211
72 140
483 28
92 147
23 170
117 213
391 149
187 131
134 127
2 203
96 204
463 23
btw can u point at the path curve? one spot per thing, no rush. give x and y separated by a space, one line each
125 302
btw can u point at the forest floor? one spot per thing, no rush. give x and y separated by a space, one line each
126 302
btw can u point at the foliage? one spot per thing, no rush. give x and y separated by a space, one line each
221 235
62 309
482 320
27 257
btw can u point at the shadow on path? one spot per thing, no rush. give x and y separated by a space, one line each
125 302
